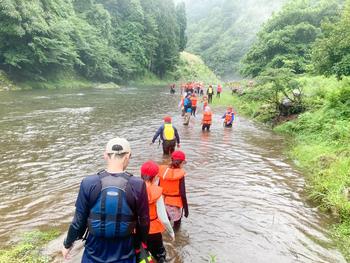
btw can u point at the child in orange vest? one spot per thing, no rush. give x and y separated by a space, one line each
205 101
228 117
172 180
158 217
207 119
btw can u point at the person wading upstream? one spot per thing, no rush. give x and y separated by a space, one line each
172 180
158 216
169 136
113 205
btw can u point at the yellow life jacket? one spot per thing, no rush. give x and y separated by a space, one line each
210 90
168 132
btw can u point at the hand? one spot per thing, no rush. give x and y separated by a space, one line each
186 213
151 143
172 235
178 145
65 253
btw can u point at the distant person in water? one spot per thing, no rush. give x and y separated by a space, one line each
218 90
172 180
205 101
172 88
207 119
210 92
159 221
187 108
228 117
169 136
194 100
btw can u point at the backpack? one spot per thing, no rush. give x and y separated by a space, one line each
168 132
187 103
111 217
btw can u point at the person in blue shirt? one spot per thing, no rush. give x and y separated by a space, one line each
132 211
187 108
169 136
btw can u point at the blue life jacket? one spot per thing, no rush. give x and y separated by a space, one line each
111 217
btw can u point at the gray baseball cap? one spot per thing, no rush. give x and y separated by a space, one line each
118 146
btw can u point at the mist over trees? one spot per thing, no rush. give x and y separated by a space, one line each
222 31
103 40
287 39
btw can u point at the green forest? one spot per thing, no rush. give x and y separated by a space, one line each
99 40
222 31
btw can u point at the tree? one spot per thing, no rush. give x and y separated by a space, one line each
331 54
287 39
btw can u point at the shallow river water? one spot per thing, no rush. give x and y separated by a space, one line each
246 198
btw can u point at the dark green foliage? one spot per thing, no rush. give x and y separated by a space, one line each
287 38
332 52
182 22
102 40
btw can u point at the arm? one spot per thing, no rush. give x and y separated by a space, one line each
177 136
223 117
163 217
78 226
76 230
183 195
142 211
160 130
232 118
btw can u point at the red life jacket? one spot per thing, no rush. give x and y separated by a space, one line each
154 192
194 101
169 180
228 117
207 116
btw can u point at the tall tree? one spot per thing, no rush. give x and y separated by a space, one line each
287 38
331 53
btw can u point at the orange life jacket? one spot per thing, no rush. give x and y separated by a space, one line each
154 193
228 117
169 180
194 101
207 117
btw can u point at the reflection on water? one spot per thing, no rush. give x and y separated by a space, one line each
246 200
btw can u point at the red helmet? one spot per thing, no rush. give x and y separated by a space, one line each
167 119
150 169
178 155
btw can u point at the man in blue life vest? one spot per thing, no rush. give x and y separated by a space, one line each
113 206
169 136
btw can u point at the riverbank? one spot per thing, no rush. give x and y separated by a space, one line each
189 68
321 145
29 248
63 80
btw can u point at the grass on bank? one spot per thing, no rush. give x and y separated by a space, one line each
189 68
321 144
28 249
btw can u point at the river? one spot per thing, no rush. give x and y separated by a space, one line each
246 198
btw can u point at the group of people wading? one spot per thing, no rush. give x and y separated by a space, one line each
122 217
189 100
